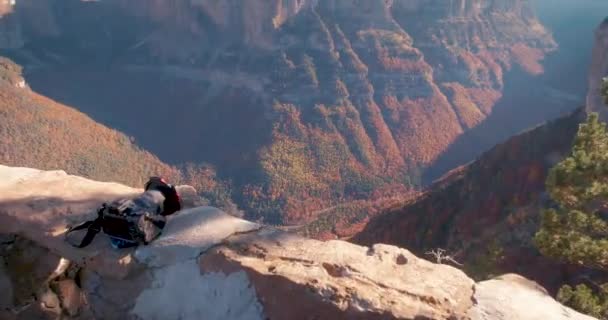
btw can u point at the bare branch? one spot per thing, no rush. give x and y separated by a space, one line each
441 256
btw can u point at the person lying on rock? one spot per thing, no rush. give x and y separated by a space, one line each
131 222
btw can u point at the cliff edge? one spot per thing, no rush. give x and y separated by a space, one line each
214 266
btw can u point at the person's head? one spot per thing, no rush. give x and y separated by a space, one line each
172 201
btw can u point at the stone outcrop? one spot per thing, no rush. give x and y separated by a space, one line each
598 71
214 266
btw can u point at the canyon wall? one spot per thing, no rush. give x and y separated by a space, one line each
302 104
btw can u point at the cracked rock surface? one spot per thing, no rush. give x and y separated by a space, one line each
209 265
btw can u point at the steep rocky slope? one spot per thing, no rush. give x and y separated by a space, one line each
214 266
38 132
316 102
486 213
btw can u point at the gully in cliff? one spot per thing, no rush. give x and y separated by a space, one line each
130 222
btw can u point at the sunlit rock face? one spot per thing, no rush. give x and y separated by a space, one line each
598 71
317 102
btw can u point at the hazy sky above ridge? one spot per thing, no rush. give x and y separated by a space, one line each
572 23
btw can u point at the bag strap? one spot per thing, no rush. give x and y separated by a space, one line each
93 228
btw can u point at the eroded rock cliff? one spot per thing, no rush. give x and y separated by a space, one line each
316 102
488 211
598 71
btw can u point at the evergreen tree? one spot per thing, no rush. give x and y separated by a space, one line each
593 302
576 231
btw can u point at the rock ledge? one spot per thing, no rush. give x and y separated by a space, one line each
209 265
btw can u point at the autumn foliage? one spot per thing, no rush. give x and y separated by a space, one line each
486 213
38 132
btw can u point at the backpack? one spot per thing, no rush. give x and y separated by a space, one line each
130 222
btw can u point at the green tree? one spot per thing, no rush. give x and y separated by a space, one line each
586 299
577 230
